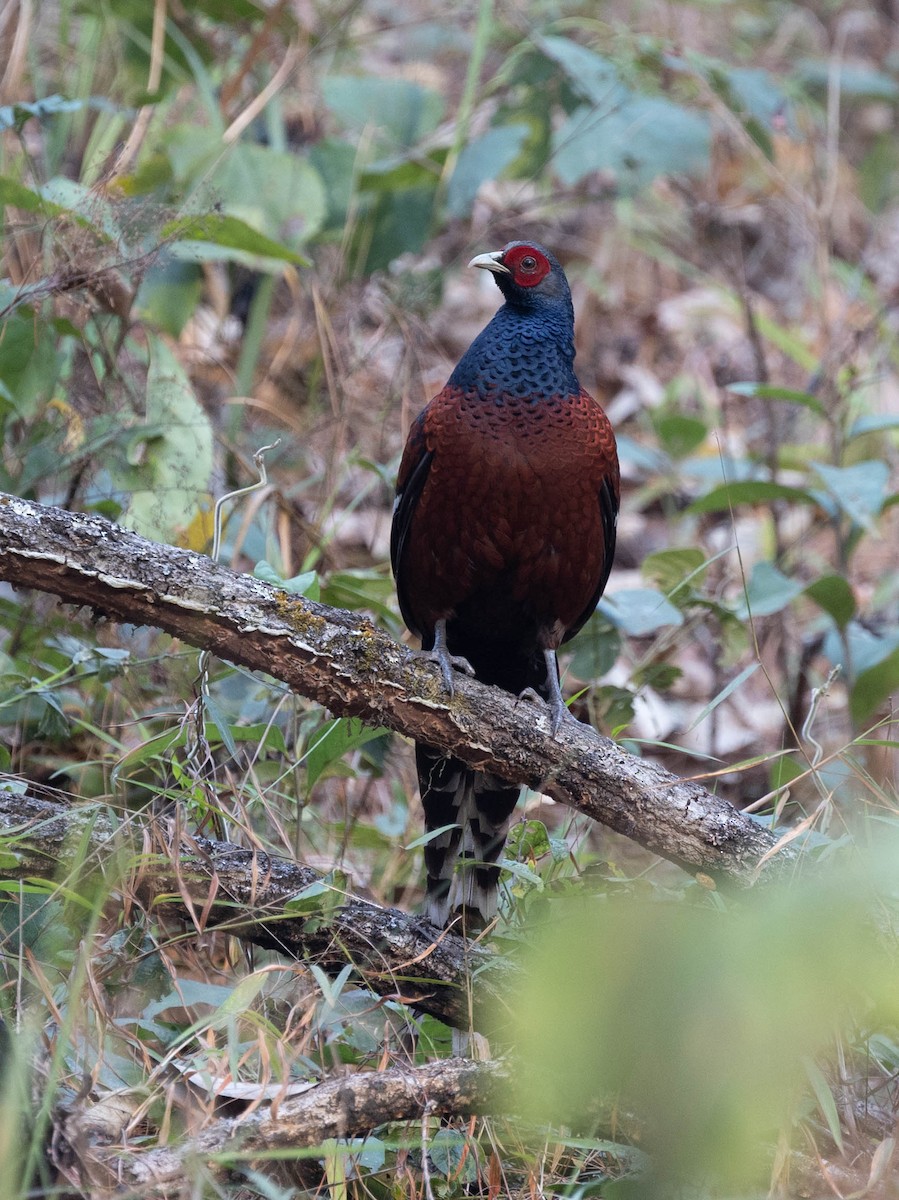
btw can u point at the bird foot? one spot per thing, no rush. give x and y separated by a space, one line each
448 663
445 661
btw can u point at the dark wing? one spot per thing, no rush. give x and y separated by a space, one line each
608 511
414 467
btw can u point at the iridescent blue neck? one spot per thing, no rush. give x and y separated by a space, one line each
527 353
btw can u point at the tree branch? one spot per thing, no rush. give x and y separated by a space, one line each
345 1107
216 884
348 665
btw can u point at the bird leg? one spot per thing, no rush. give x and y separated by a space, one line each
447 662
559 710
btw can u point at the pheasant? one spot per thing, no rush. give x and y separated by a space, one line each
502 541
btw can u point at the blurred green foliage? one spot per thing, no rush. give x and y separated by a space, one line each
707 1018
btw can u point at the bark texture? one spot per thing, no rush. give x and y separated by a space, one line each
346 1107
209 883
352 668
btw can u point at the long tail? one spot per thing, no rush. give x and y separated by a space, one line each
461 861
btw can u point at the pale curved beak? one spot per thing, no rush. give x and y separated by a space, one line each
491 262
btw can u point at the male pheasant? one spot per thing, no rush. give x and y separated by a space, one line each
502 542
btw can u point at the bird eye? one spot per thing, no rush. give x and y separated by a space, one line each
528 263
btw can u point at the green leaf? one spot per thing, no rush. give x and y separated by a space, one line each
767 391
430 836
271 190
858 82
679 435
323 894
528 839
594 650
399 223
589 74
305 584
168 295
750 92
332 741
873 688
482 159
860 491
768 591
835 596
784 769
872 423
825 1099
677 573
172 483
30 362
17 194
403 110
639 611
722 499
641 138
231 237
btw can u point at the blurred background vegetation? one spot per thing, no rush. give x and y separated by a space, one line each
230 225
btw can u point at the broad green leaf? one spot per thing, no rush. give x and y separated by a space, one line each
722 499
332 741
767 391
305 584
674 571
784 769
172 482
528 839
639 611
231 237
403 110
835 596
866 649
594 650
450 1153
873 689
168 295
314 897
399 223
30 362
872 423
768 591
858 82
751 92
637 140
482 159
88 205
17 194
271 190
860 491
590 75
336 162
680 435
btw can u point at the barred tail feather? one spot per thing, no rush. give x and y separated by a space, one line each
461 861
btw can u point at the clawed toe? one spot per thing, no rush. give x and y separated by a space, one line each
445 661
447 664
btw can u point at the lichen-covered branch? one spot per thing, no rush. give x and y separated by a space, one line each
348 1106
216 884
345 663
